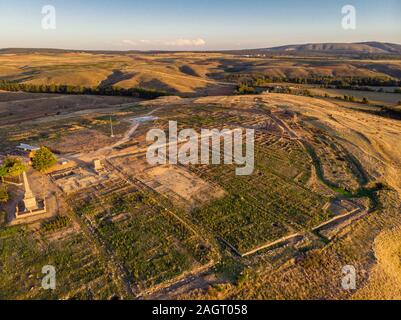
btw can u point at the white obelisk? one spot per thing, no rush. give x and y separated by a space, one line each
30 202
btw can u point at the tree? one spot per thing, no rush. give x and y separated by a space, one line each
365 100
245 89
43 159
4 196
12 167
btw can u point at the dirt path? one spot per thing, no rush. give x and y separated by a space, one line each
31 100
83 112
105 152
135 124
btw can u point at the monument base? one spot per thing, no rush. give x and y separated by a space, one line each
21 212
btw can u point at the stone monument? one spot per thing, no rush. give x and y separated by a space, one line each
29 200
30 205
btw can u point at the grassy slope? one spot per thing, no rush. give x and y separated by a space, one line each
175 72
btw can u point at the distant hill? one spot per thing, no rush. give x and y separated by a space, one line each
60 51
360 48
200 73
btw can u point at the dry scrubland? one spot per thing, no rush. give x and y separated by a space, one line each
146 232
184 73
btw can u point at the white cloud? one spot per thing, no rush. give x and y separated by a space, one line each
170 43
129 42
186 43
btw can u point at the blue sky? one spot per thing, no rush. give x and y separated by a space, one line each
188 25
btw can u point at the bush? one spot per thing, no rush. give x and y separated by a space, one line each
56 224
244 89
12 167
43 159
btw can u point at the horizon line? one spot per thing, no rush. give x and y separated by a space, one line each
189 50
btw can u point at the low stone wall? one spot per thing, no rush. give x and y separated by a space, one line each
22 215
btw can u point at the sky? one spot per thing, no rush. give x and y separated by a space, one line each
193 25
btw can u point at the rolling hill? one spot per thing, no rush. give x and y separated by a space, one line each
341 48
197 73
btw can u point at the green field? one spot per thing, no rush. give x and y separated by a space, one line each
79 272
269 204
147 239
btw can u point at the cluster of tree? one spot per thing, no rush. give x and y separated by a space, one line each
11 167
43 159
356 83
245 89
350 98
68 89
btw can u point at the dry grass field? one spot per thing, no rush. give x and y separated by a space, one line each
325 191
385 98
179 73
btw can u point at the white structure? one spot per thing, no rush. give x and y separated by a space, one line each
27 147
29 200
30 206
145 119
111 128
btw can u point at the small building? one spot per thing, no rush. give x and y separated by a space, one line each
145 119
27 147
